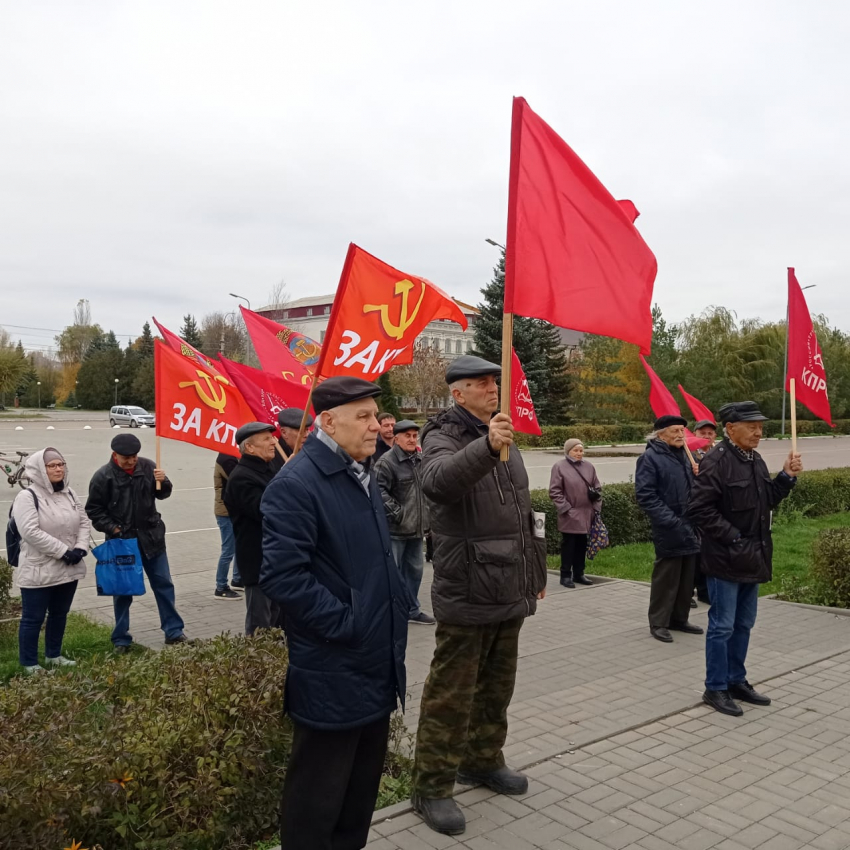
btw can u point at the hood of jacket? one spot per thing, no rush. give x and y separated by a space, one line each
37 472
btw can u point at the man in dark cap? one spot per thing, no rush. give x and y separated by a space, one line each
122 503
245 489
489 571
289 421
401 488
663 479
731 505
328 563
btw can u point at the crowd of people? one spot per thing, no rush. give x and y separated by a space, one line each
327 544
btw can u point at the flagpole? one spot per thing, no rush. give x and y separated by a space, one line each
507 347
785 373
158 460
303 427
793 388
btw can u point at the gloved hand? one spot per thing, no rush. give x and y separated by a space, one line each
80 553
73 556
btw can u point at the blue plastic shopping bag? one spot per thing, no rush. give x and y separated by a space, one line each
119 568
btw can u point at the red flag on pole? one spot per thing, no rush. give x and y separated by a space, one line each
178 344
663 403
377 314
265 393
574 256
282 351
522 407
699 410
195 404
805 361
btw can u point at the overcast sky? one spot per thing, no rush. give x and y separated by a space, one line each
155 156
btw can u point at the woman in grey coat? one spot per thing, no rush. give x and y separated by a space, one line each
572 482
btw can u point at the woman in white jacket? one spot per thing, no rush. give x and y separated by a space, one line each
55 535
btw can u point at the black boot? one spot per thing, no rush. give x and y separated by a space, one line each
442 814
745 692
721 701
502 780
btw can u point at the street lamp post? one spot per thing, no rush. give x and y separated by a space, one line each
39 394
495 244
116 391
247 343
785 374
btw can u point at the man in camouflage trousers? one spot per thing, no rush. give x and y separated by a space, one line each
489 571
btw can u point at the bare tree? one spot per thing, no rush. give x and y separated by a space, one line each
82 313
225 333
279 295
424 379
75 339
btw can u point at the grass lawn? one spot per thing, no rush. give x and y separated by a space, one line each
792 547
84 639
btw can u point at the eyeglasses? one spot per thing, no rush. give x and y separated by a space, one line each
56 464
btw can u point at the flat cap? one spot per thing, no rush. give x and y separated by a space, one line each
469 366
705 423
405 425
291 418
668 421
251 428
741 411
342 390
126 444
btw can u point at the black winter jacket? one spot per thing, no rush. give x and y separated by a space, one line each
400 481
488 564
245 489
119 500
328 562
731 503
663 480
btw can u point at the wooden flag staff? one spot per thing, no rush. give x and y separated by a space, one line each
507 347
158 460
792 388
299 440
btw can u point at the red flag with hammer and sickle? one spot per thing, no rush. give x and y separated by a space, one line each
195 403
377 314
282 351
177 343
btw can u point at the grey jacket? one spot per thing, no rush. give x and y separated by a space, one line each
488 564
400 482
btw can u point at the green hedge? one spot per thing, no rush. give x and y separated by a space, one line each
819 492
184 748
635 432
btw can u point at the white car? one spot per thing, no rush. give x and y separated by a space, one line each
132 416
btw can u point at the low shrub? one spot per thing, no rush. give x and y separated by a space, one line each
181 748
831 565
819 492
6 578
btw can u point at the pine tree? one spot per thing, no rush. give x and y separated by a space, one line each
144 344
601 395
537 344
387 400
191 332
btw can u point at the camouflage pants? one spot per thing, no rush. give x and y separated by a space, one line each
464 711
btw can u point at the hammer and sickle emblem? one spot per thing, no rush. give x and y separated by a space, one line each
213 399
405 319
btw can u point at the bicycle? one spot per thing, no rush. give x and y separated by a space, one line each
14 469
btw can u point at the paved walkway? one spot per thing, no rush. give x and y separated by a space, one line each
609 725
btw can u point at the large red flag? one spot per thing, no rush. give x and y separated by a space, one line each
281 350
699 410
663 404
805 361
266 394
377 314
574 256
195 404
180 345
522 407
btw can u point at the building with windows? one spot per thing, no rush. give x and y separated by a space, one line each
310 317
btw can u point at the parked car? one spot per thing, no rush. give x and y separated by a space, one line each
132 416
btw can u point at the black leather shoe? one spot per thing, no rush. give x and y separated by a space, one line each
584 580
687 628
745 692
694 603
721 701
503 780
440 814
567 582
660 633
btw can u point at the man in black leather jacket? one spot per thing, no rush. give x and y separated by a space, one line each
122 503
731 504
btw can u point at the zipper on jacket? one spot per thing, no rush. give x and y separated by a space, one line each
522 540
499 485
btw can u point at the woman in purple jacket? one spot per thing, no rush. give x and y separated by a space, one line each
575 489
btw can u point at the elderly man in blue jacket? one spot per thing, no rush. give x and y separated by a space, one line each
328 563
663 478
